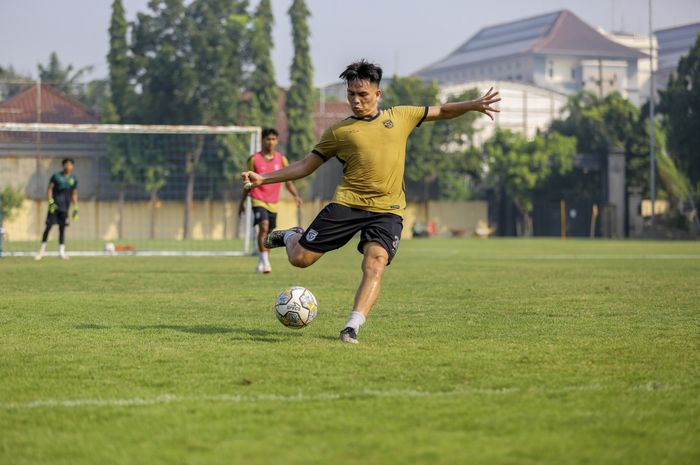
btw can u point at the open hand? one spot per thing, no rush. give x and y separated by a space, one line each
483 105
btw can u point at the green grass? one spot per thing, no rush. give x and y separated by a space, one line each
483 352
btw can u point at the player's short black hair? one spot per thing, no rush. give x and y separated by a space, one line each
362 70
66 160
267 131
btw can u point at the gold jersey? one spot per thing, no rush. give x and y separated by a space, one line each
373 154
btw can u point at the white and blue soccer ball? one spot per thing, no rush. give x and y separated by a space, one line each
296 307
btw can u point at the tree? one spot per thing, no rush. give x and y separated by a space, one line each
162 68
610 122
161 64
12 82
262 86
217 30
121 92
680 105
522 166
123 157
63 77
300 98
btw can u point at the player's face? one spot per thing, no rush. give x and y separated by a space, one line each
363 97
68 168
270 143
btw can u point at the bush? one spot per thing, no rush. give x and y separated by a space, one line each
10 200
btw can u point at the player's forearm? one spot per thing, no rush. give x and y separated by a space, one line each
293 171
455 109
292 189
74 199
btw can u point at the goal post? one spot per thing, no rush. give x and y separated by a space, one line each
143 189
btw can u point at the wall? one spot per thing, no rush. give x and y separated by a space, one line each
213 220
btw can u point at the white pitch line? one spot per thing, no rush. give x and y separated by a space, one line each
327 396
239 398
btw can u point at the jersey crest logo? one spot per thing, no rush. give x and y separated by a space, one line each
71 181
388 123
311 235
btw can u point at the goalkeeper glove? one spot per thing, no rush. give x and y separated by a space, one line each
74 216
52 206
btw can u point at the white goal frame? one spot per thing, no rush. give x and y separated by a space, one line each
255 145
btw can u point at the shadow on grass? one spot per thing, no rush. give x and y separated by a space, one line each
328 338
260 335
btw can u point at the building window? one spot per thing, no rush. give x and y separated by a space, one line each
551 72
573 73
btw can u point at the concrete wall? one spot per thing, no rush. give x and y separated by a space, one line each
213 220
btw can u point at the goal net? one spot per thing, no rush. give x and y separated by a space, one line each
143 190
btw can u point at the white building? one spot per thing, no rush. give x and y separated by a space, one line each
555 51
641 43
674 43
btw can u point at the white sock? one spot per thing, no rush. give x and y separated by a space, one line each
42 249
62 249
289 234
265 257
355 320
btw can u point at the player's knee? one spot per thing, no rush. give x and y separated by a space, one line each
264 227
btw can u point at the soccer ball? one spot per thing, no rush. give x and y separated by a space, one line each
296 307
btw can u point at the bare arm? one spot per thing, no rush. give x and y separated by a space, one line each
49 192
296 170
455 109
74 198
241 205
293 190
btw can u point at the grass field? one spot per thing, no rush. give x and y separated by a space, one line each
483 352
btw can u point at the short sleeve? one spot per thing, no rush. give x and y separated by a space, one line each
75 183
251 163
53 179
327 147
285 162
414 116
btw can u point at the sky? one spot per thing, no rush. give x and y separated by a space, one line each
401 35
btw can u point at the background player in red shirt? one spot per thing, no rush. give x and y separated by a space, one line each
265 198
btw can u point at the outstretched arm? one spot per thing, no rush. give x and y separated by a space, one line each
455 109
296 170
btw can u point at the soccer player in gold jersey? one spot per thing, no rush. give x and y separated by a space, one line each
371 145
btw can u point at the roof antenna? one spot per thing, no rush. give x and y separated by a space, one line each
612 15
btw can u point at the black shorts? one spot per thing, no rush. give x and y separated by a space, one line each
336 224
58 217
261 214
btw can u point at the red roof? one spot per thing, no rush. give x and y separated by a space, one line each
55 107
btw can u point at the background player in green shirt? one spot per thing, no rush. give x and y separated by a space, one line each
62 191
370 199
